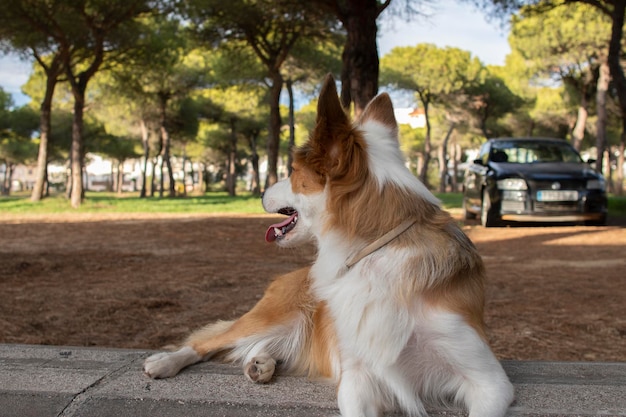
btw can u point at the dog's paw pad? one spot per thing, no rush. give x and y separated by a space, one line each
260 369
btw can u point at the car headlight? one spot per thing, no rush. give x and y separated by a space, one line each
512 184
598 184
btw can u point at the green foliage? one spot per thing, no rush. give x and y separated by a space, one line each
411 140
15 149
561 48
16 129
305 121
117 148
432 72
561 41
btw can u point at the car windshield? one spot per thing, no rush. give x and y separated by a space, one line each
529 152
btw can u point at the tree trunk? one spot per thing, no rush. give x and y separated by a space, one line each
254 159
112 183
76 153
162 177
483 128
619 188
45 128
155 162
423 173
79 86
8 178
166 142
201 174
619 79
273 141
46 183
184 171
601 96
360 63
443 160
192 175
120 177
292 126
456 157
145 142
578 132
168 164
231 173
608 170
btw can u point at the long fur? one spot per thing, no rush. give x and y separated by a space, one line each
401 327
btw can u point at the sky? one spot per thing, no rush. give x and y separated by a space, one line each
449 23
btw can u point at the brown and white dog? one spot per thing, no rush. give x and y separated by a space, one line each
392 308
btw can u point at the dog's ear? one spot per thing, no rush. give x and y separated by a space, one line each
380 109
330 112
332 123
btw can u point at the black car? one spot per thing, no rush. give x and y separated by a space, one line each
533 180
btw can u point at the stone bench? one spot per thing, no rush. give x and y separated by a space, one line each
42 381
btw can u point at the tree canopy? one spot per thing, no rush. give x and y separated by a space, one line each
214 80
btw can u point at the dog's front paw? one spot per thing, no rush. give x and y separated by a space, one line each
260 369
168 364
160 365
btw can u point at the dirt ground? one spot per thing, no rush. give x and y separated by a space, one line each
554 293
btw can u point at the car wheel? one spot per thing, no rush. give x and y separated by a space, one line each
487 218
467 215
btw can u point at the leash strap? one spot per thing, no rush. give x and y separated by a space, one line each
380 242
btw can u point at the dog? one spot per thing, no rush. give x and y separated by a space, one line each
391 309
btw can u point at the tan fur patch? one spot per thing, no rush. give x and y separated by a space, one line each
305 180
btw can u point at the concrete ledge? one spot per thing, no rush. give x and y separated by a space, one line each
46 381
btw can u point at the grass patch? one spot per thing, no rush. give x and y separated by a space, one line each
213 202
217 202
101 202
617 206
450 200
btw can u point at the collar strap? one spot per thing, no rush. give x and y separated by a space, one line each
380 242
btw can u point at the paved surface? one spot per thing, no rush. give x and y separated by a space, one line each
42 381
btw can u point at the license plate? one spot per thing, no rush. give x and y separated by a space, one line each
560 195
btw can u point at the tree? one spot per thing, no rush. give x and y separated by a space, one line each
158 80
360 68
271 28
118 149
552 44
433 74
489 100
127 113
237 112
83 33
16 146
19 31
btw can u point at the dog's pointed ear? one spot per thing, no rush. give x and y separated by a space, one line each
332 124
380 109
329 108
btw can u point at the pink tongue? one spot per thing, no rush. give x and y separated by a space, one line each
270 236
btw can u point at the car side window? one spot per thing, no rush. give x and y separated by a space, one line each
499 156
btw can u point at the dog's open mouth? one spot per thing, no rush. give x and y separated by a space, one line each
279 230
